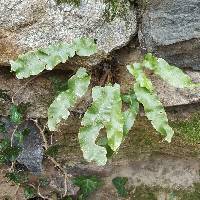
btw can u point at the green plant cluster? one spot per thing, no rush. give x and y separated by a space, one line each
11 147
119 183
106 109
87 185
9 150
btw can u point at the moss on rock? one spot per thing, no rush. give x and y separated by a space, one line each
156 193
189 129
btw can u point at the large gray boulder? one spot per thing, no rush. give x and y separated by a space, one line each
171 29
26 25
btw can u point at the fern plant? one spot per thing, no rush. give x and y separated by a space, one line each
106 109
34 62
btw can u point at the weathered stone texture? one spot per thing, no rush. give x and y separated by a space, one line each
25 25
171 29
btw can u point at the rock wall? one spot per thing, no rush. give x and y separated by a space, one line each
27 25
171 29
168 28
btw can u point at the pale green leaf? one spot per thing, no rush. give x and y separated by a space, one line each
104 112
59 109
154 111
131 113
137 71
153 108
85 46
169 73
34 62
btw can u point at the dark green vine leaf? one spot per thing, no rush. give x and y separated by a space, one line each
17 177
119 183
53 150
16 115
12 153
131 113
171 74
59 109
13 176
8 153
2 128
104 112
34 62
87 184
29 192
44 181
154 111
153 108
21 135
4 143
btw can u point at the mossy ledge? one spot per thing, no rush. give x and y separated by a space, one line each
156 193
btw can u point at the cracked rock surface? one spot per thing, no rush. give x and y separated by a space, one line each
26 25
171 29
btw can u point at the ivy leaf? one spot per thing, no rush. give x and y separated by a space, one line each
119 183
53 150
21 135
154 111
17 177
59 109
87 184
29 192
34 62
16 114
171 74
131 113
44 182
104 112
2 128
5 143
12 153
8 153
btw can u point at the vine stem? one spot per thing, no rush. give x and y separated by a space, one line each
12 136
11 144
56 164
16 191
39 193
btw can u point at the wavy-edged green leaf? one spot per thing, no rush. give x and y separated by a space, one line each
131 113
169 73
137 71
16 115
59 109
85 46
154 111
34 62
104 112
153 108
119 183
